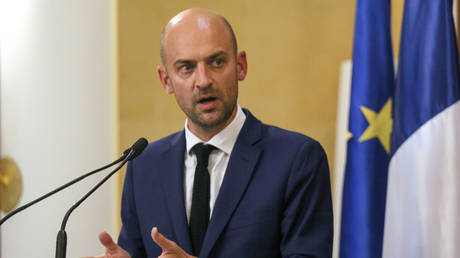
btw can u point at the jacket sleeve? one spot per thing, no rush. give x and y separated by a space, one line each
130 237
307 222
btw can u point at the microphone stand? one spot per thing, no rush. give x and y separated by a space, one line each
61 241
25 206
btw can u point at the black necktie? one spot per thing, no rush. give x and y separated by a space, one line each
199 215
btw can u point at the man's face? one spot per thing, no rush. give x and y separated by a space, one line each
202 71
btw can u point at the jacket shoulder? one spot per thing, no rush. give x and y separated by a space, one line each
156 147
282 138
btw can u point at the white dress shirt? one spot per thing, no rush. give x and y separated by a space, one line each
218 160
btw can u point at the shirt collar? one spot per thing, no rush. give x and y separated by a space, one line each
225 139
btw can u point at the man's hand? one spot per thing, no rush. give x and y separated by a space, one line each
112 250
169 248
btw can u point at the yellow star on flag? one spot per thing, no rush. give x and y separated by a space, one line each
349 135
380 125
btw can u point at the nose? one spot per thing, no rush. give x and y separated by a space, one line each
203 79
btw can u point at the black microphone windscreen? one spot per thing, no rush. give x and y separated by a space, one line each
138 147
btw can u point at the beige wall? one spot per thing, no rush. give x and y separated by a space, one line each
396 20
294 50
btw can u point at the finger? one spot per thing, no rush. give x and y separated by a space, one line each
107 242
100 256
162 241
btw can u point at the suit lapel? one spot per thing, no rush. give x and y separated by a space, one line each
172 177
239 171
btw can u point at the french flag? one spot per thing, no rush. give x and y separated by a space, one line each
422 217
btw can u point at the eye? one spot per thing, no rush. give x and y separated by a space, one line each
217 62
186 67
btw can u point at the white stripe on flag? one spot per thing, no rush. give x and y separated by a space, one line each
423 194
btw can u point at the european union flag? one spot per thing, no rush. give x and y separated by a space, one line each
370 124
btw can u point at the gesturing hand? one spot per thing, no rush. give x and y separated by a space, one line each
169 248
112 250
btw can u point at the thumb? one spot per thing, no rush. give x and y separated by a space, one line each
169 248
162 241
107 242
165 244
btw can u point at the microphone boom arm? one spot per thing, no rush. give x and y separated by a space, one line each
66 217
61 241
27 205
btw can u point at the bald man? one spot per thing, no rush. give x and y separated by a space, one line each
259 191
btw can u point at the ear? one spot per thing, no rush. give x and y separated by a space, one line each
164 79
242 65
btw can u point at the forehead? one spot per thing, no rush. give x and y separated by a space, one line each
196 38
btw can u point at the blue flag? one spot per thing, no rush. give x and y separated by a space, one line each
428 76
368 147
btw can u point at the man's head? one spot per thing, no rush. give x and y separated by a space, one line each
202 69
225 22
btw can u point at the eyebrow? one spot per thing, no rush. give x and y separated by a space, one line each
219 53
211 57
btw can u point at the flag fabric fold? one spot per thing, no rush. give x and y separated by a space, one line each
368 147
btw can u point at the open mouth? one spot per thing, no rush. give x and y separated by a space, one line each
206 100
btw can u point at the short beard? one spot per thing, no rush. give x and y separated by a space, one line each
227 112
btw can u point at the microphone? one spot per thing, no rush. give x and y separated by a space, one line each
61 241
137 148
132 152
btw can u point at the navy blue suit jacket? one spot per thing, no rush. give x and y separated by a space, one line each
274 201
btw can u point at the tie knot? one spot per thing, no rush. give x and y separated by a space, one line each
202 152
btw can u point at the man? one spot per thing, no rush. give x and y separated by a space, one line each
267 191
